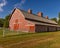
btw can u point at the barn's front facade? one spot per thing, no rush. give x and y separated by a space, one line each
28 22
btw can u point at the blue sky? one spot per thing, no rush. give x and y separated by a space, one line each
49 8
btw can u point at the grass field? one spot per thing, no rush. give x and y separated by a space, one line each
31 40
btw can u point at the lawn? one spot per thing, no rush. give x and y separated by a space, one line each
31 40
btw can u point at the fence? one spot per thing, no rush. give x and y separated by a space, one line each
6 32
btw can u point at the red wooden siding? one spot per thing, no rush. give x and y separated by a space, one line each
16 26
18 22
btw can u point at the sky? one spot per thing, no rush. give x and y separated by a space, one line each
50 8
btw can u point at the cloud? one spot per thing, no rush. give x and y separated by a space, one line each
20 4
2 4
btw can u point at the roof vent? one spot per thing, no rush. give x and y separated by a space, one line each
40 14
46 17
30 11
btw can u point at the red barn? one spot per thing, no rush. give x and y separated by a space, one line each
28 22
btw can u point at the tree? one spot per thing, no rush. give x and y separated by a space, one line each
59 22
59 18
1 22
6 22
59 15
54 19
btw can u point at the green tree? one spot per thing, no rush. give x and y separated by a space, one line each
54 19
59 15
6 22
59 18
1 22
59 22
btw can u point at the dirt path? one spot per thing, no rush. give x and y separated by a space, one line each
31 42
1 47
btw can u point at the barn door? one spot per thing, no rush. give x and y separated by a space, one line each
32 28
16 26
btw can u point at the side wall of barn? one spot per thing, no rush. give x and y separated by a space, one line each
58 28
43 28
40 28
52 28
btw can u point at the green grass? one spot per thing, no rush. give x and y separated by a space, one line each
31 40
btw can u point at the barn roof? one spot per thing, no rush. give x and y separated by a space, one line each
36 17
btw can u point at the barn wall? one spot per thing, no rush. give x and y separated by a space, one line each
29 26
18 22
40 28
16 18
52 28
58 28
